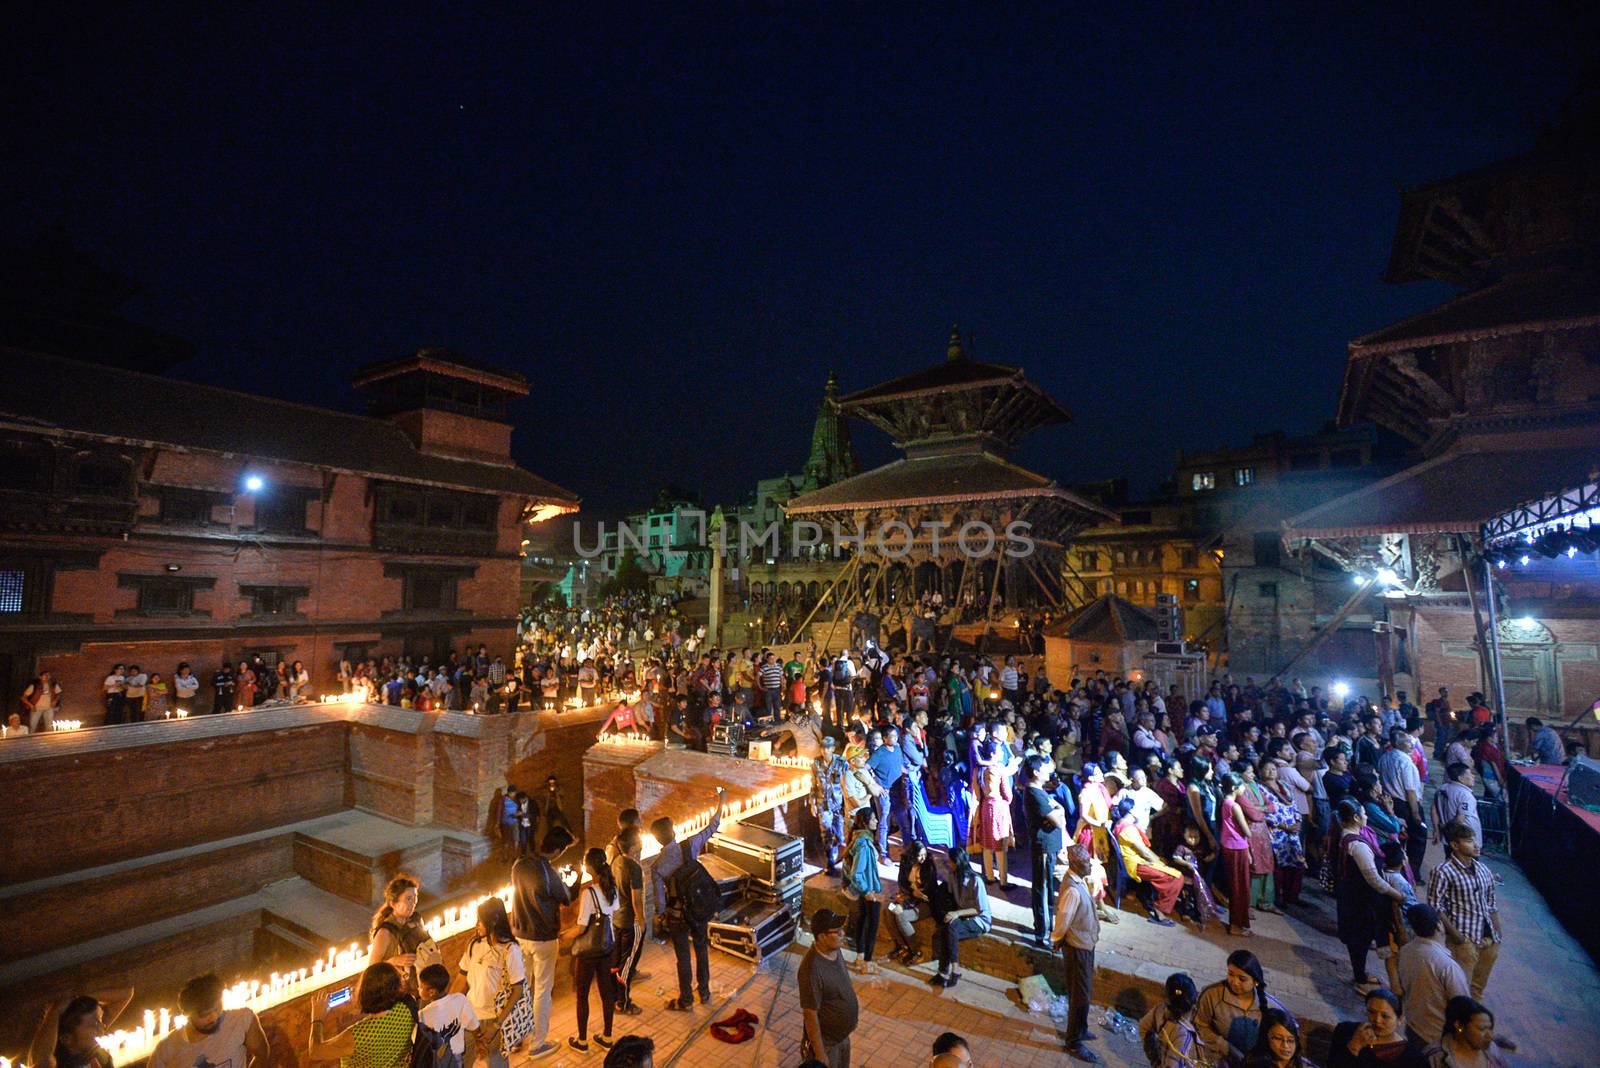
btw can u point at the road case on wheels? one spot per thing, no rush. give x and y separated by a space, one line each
755 932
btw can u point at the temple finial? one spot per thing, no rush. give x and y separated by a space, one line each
956 351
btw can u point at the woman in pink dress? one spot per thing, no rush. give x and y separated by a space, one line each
1234 830
994 818
1253 800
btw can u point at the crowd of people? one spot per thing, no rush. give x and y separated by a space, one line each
1210 810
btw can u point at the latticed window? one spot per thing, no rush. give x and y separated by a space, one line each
12 583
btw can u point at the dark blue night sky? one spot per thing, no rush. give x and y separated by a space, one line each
1174 219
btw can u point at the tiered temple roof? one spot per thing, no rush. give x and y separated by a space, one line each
956 421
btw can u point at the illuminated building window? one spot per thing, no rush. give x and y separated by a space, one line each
11 586
1204 480
1243 476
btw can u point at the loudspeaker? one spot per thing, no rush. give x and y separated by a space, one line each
1169 618
1583 782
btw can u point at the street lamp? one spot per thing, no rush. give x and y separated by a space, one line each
254 483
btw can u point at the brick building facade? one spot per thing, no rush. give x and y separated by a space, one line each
152 521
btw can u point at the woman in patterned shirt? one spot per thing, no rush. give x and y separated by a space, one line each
381 1036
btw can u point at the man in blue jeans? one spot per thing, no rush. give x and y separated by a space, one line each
888 768
673 854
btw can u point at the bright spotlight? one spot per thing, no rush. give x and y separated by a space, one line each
1341 690
1527 623
254 483
1523 559
1387 577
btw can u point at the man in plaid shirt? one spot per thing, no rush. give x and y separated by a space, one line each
1461 889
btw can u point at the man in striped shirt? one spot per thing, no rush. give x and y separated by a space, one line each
771 678
1461 889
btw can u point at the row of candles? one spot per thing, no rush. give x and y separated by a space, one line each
55 725
127 1045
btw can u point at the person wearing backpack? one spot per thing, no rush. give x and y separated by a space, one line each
448 1016
843 677
683 907
537 894
1167 1031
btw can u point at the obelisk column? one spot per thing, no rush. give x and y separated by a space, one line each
714 536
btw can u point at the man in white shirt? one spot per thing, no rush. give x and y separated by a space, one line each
1401 781
1454 800
115 686
1008 681
184 686
1077 929
1146 802
1429 976
211 1036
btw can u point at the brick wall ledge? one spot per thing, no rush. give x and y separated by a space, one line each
198 727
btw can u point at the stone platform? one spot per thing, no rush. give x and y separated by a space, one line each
143 854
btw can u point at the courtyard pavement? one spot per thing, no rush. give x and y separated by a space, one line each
1544 991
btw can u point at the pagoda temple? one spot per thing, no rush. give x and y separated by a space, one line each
1487 543
956 423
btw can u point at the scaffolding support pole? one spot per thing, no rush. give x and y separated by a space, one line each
1494 647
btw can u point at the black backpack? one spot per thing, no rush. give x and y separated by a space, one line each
430 1048
692 892
841 674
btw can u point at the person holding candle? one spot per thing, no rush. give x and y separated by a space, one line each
245 685
185 685
230 1038
686 931
538 893
157 694
78 1032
